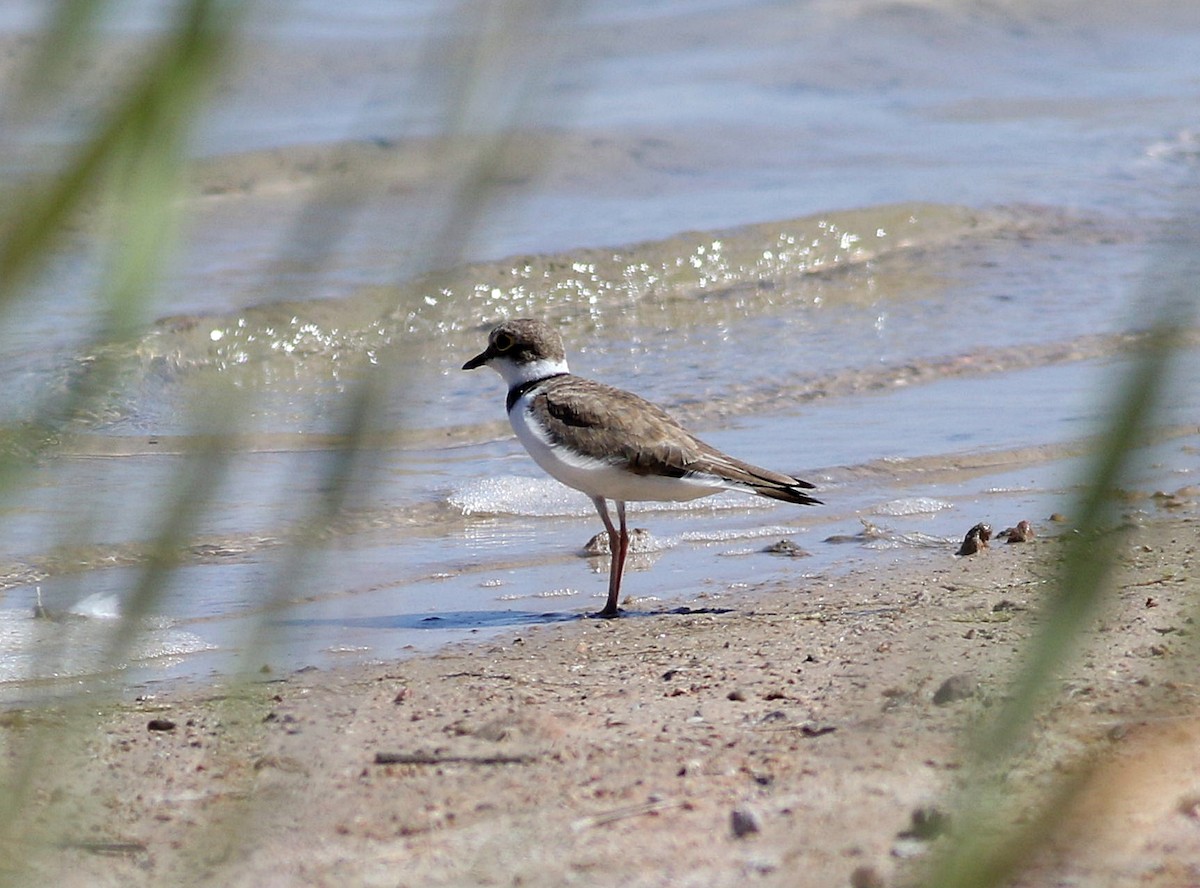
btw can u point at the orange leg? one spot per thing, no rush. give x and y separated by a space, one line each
618 545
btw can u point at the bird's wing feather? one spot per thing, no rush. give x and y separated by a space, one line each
608 424
611 425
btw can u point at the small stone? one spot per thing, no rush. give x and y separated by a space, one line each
640 540
744 822
160 724
866 877
1189 806
787 549
976 539
736 695
926 823
283 763
908 848
955 688
1022 533
816 730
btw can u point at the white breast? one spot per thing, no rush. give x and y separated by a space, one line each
597 477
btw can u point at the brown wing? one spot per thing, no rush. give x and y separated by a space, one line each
612 425
609 424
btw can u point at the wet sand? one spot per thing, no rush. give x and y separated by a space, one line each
779 736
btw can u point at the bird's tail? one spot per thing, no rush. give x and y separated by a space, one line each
763 482
789 493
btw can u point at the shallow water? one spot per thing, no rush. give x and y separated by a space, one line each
894 249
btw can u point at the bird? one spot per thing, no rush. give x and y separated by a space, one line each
611 444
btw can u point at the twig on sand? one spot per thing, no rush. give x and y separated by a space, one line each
651 807
498 676
422 758
110 849
806 730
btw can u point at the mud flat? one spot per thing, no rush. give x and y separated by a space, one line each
805 734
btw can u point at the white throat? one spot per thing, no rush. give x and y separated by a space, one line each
518 374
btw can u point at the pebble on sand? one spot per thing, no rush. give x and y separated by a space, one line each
976 539
1022 532
787 549
744 822
926 823
955 688
640 540
866 877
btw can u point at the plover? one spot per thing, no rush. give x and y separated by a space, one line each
608 443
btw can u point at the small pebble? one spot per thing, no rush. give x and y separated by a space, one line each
866 877
1021 533
640 540
786 548
1189 806
976 539
955 688
927 822
160 724
1005 605
907 849
744 822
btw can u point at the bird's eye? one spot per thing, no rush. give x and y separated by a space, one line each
503 342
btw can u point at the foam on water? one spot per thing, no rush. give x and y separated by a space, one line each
547 498
97 606
547 594
913 505
513 495
719 535
72 645
913 539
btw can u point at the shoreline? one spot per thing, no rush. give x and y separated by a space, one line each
791 739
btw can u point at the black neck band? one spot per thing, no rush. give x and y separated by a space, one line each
515 393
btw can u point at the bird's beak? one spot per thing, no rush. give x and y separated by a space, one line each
480 359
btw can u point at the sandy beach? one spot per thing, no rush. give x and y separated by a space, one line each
806 734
